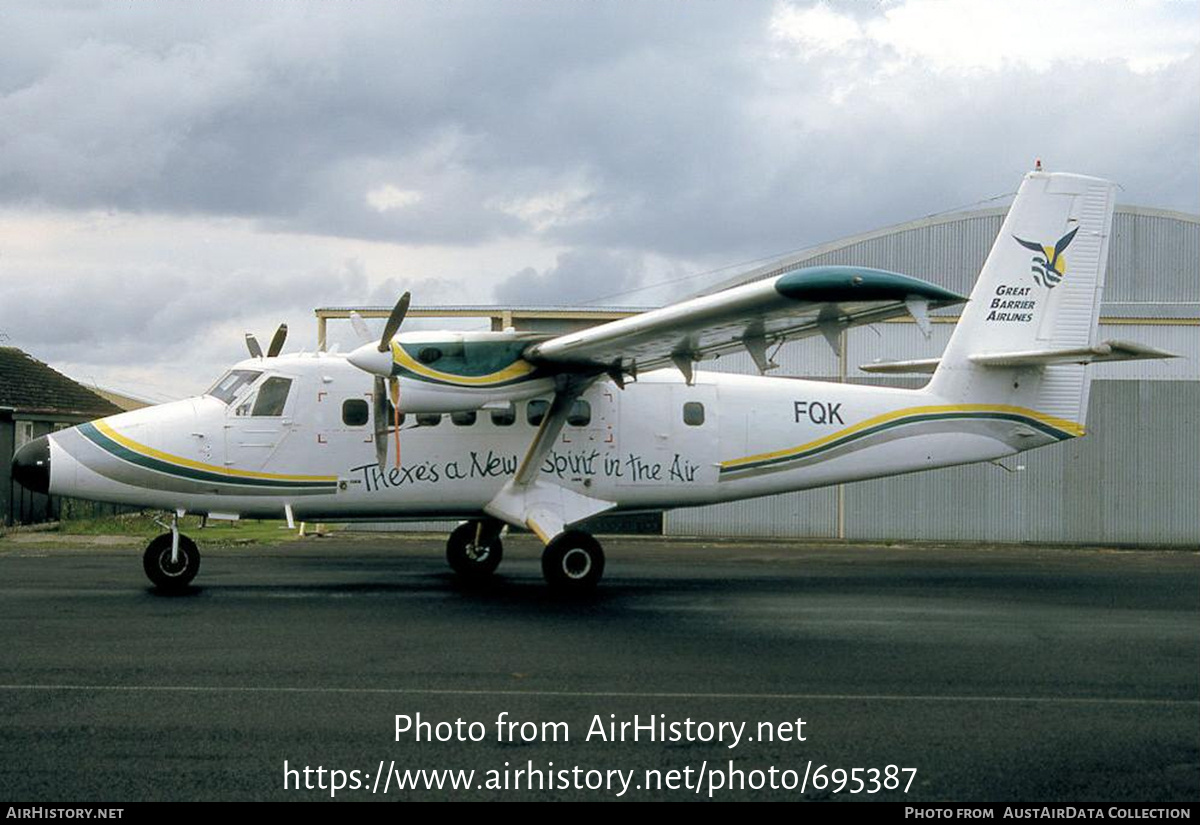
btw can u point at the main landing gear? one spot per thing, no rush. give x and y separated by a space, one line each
171 571
474 549
572 562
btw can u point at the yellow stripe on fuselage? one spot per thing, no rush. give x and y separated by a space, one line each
104 427
517 369
1060 423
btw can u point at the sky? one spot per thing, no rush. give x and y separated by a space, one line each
173 175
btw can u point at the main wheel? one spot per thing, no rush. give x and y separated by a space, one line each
573 561
474 550
171 576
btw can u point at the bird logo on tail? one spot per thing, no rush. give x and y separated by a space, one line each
1049 265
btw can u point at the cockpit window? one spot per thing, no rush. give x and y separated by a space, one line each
272 395
232 383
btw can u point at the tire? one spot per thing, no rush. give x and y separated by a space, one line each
573 562
168 577
474 562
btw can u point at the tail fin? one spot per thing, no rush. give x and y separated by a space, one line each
1038 294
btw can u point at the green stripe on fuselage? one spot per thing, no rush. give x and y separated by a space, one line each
1053 432
91 433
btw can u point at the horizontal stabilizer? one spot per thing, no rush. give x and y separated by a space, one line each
1105 351
1101 353
925 365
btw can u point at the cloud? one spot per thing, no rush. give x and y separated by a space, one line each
113 294
589 124
1035 34
577 277
190 170
388 197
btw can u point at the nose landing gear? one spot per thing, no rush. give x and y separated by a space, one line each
171 570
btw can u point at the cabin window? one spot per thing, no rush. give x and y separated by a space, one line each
581 414
463 418
272 395
505 417
429 419
231 383
693 413
536 411
355 412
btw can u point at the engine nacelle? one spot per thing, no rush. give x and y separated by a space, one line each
423 397
443 372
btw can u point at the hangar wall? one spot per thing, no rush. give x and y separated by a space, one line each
1135 479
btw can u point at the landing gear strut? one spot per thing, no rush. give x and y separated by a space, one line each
171 571
573 562
474 549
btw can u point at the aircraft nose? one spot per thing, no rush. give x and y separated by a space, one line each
31 465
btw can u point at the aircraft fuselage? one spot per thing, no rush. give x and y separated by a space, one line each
656 444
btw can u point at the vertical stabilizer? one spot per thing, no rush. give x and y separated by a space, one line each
1039 289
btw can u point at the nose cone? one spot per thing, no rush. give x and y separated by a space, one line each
369 359
31 465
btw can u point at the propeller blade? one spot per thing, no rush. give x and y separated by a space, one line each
360 328
252 345
277 341
395 382
381 423
393 321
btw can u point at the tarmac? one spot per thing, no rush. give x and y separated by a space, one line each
697 670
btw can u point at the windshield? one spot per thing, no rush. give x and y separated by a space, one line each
232 383
269 400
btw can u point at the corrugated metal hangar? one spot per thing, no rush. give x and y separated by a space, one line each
1134 480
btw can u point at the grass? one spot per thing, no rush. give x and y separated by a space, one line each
145 525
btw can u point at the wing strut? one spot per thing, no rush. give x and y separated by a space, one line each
544 507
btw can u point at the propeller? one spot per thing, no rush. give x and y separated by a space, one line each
361 328
385 385
273 349
393 321
252 345
381 422
276 345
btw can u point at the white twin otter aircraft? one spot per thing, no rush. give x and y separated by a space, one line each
511 428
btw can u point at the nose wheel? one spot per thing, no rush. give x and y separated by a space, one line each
573 562
171 571
474 549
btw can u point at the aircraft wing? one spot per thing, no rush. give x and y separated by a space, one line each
815 301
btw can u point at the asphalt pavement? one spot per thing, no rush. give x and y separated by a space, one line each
697 670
